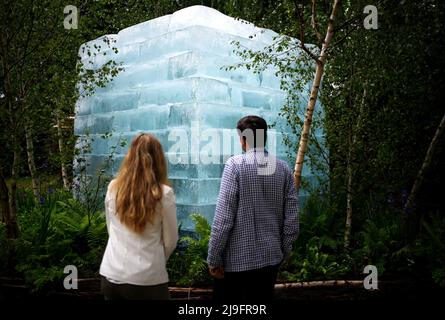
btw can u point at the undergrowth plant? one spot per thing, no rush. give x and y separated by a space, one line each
188 264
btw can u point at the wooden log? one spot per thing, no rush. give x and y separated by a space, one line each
325 283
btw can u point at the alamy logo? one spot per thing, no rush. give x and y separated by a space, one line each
371 280
371 20
211 146
71 20
70 281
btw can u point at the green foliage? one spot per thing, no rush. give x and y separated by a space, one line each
4 248
434 247
62 230
317 219
317 253
90 182
316 263
42 77
56 233
383 244
439 276
188 264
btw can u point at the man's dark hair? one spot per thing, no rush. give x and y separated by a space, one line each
253 123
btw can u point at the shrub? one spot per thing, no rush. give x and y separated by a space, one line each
188 264
55 233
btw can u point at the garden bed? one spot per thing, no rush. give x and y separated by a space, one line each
330 290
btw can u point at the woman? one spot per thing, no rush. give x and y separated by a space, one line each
141 220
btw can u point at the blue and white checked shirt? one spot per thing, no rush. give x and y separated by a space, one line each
256 219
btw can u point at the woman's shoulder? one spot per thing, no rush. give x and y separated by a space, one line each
111 188
168 192
111 184
167 189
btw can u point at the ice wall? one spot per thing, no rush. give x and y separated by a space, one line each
174 86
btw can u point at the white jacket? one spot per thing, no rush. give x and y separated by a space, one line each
140 259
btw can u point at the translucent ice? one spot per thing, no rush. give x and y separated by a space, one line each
175 86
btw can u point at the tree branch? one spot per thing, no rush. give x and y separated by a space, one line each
314 21
425 165
308 52
300 16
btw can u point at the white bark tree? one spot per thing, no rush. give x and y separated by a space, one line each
321 60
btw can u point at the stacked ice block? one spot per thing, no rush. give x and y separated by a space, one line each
175 86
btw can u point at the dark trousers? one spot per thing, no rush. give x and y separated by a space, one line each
253 285
113 291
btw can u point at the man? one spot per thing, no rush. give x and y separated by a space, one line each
256 219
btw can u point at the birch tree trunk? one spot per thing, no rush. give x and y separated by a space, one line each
12 227
66 183
313 97
348 197
425 165
10 210
4 198
349 171
31 162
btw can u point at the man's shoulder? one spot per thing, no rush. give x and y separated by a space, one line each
283 164
238 160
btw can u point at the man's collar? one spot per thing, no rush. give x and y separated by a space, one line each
252 150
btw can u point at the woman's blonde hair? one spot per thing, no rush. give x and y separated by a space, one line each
139 182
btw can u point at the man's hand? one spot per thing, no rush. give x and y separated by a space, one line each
216 272
287 260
